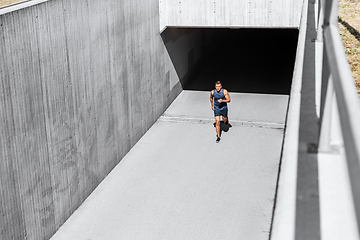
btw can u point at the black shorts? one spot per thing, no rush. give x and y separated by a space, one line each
223 111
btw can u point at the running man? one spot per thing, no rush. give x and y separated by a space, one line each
219 98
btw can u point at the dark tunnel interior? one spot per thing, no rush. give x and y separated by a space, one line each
247 61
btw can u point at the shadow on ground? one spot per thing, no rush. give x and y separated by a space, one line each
351 30
223 127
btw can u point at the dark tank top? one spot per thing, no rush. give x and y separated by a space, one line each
217 96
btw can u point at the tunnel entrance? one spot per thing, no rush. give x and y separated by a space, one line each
245 60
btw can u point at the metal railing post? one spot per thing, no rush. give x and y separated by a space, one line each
325 132
320 29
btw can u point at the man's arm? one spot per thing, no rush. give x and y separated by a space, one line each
227 97
212 99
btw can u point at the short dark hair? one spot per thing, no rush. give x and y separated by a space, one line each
217 82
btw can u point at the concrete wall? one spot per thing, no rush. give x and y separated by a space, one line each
186 49
230 13
80 82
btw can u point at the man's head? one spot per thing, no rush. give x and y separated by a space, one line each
218 86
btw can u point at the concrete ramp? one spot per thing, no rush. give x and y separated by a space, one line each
262 110
177 183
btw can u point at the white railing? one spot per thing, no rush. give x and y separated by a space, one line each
341 91
340 108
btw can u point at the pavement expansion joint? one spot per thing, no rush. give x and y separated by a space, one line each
204 120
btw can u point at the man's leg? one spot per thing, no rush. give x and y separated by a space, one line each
217 119
224 114
225 119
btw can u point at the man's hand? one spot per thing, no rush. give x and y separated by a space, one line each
220 100
212 107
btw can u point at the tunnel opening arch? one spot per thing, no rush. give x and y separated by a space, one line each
247 60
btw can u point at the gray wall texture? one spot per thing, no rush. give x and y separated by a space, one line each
231 13
80 82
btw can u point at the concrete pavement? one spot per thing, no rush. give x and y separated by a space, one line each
244 107
177 183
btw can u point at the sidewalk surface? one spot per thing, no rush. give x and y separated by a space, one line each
177 183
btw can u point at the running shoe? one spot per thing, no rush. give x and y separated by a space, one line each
217 140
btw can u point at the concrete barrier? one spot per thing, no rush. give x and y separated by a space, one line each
230 13
81 82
